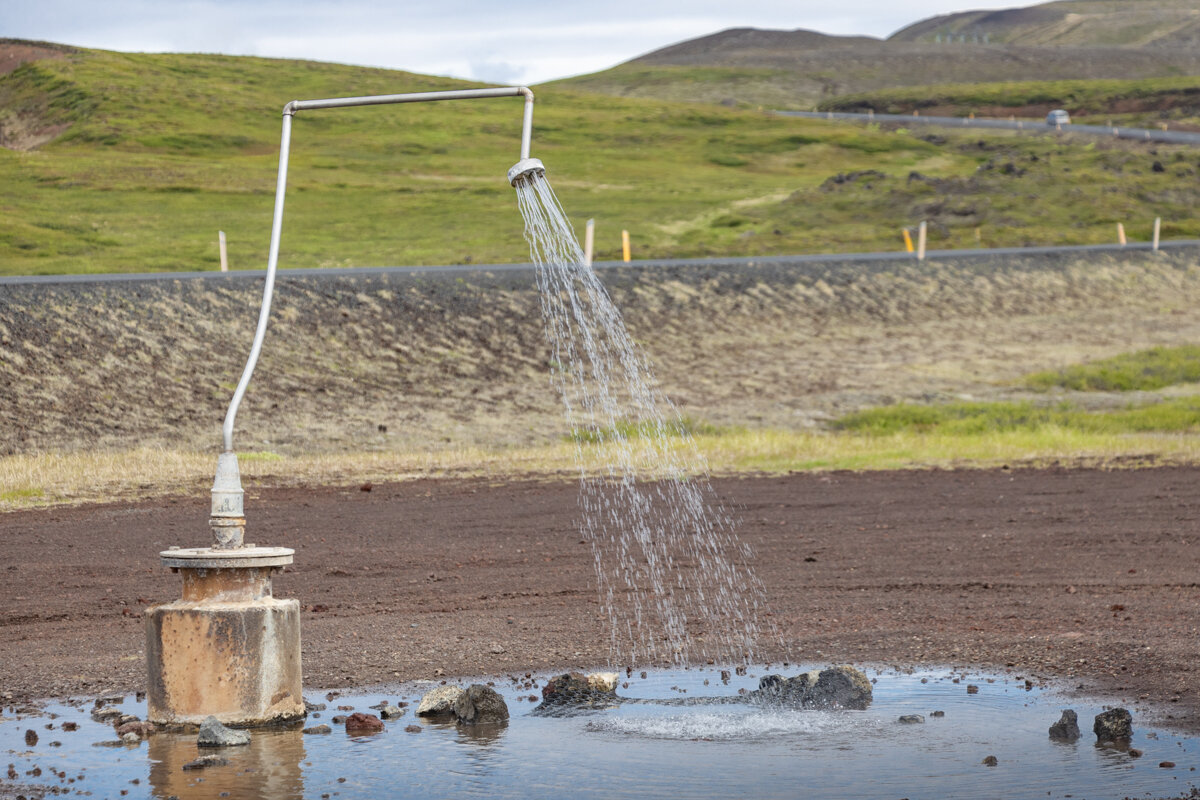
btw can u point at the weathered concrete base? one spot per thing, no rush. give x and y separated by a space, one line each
227 649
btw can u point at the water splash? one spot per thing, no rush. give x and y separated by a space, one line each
672 576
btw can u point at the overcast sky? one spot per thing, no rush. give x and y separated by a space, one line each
500 41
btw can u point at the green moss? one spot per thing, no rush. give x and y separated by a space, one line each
1144 370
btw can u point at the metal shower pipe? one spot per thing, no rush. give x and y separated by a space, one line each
526 164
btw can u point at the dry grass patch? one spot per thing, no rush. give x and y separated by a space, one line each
47 479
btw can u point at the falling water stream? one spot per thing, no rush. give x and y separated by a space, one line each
671 573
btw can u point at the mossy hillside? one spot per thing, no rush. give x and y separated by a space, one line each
162 151
1173 97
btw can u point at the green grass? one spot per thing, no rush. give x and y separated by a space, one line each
1144 370
973 419
641 429
1077 96
162 151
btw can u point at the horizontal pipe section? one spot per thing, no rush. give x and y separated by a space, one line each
411 97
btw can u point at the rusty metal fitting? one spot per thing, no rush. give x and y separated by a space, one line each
228 532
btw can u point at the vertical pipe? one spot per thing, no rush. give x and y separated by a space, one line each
1157 230
221 247
527 123
921 242
268 286
589 240
1121 234
625 245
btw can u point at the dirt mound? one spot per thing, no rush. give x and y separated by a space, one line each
15 52
401 361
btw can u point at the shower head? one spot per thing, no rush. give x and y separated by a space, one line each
524 168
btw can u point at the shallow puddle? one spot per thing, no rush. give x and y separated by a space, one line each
695 751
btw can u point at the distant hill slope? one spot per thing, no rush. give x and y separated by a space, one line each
1070 23
1072 40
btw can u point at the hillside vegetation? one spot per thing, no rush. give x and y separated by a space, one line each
1137 23
133 162
1165 99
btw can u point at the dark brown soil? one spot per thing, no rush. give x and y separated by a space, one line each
1085 576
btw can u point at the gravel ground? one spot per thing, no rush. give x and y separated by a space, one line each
1086 578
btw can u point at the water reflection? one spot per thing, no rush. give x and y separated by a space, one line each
270 766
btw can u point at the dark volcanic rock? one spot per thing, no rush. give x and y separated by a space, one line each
318 729
479 705
142 729
835 687
31 737
1113 725
572 692
1067 727
360 723
912 719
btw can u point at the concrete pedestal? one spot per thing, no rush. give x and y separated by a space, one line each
228 648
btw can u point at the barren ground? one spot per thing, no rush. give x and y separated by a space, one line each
1083 576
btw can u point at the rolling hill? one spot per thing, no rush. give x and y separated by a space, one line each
1072 40
119 162
1157 24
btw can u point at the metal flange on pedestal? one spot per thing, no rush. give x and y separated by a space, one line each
228 648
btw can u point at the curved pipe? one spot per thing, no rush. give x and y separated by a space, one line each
289 111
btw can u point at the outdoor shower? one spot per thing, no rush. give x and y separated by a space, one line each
229 648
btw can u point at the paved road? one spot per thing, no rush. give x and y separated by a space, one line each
1141 134
724 263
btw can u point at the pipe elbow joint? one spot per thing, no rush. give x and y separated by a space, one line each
290 109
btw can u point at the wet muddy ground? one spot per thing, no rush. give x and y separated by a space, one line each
1084 576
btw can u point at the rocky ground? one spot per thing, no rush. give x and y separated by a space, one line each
1085 578
428 360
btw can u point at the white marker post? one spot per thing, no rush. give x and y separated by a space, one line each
221 246
921 242
589 239
1157 231
1121 234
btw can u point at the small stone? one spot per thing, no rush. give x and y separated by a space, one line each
142 729
1167 764
311 707
1067 727
439 702
603 681
912 719
391 712
1113 725
359 724
991 761
972 689
937 713
497 649
1135 753
130 738
70 726
206 761
31 737
413 728
214 734
318 729
339 719
106 714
